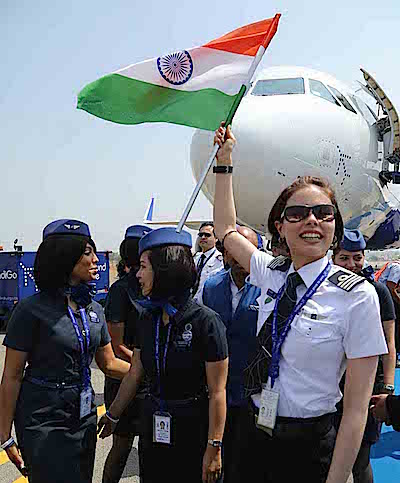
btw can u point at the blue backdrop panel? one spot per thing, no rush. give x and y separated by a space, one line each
8 280
385 454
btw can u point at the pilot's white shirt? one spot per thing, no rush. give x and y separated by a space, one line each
214 263
333 326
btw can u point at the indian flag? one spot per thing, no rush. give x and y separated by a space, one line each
195 87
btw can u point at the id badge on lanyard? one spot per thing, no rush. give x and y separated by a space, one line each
162 427
268 408
162 420
85 405
270 397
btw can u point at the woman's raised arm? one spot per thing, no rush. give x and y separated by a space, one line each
224 205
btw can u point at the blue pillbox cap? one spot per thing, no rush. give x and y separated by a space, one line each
353 241
137 231
66 227
164 236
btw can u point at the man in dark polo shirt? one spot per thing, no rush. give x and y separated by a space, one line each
117 309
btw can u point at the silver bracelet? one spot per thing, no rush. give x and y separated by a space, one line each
113 420
8 443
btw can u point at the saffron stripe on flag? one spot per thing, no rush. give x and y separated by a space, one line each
246 40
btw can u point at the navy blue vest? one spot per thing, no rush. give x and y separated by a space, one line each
241 328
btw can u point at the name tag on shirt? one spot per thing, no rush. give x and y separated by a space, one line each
268 408
93 316
86 402
162 428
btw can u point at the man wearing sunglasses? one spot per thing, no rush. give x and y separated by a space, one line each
208 261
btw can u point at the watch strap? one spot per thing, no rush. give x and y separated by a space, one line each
111 418
223 169
215 443
389 387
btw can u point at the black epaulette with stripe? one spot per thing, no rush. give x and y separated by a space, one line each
346 280
280 263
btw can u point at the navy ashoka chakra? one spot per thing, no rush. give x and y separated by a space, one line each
176 68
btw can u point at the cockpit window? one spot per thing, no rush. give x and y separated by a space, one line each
364 109
318 89
343 100
279 87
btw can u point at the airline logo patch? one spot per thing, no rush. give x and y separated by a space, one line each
71 227
346 280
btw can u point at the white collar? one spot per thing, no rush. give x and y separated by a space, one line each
310 271
209 253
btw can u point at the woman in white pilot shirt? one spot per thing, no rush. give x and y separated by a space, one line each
338 326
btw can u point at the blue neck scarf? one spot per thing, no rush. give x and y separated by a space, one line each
81 294
152 303
368 272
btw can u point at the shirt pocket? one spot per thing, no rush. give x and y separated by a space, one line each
314 330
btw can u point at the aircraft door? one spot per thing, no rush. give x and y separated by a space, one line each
388 126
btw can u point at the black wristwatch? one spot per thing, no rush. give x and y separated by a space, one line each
389 388
223 169
215 443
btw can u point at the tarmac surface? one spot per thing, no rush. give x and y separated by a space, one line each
9 474
385 455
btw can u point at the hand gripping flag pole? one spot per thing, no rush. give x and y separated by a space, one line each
228 121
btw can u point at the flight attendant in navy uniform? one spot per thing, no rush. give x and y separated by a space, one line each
57 333
315 319
182 352
117 310
350 254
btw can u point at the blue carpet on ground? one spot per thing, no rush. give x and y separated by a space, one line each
385 454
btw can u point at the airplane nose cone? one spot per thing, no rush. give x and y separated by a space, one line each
263 157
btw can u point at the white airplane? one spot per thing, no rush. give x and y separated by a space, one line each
297 121
148 218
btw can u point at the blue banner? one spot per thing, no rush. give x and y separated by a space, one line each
17 281
8 280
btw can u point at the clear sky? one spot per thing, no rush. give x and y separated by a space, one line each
58 162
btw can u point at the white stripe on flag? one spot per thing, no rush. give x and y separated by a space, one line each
212 69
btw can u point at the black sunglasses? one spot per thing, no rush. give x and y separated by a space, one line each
296 213
204 233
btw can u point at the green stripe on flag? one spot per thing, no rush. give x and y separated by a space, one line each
123 100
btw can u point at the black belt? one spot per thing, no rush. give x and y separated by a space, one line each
51 385
178 403
288 427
